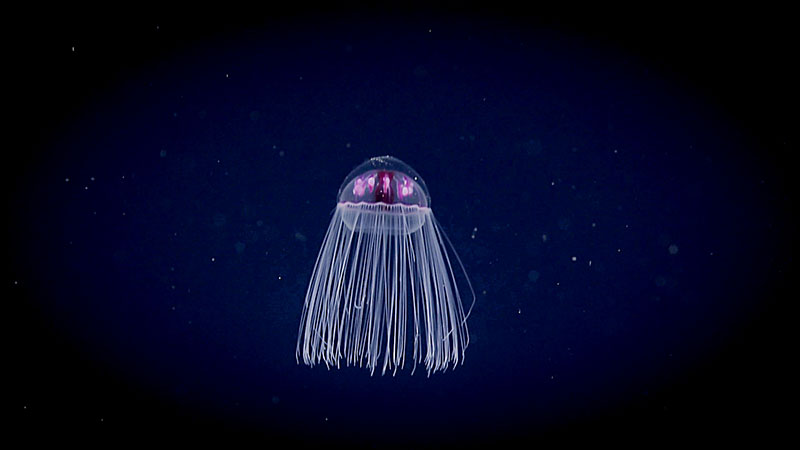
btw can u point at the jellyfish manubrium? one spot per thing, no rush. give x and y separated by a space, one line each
384 251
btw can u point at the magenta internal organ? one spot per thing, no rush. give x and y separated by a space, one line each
384 186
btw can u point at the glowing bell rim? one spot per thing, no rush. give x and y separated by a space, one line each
364 217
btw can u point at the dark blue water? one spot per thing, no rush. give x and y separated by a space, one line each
619 210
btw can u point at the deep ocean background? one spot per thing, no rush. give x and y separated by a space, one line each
616 188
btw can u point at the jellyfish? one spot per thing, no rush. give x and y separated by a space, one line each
383 279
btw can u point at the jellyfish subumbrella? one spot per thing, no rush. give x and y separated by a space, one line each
384 280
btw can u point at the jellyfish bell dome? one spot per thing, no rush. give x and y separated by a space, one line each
384 179
384 194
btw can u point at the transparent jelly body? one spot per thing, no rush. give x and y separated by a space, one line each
383 281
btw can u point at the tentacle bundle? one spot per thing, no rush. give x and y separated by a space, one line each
375 261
